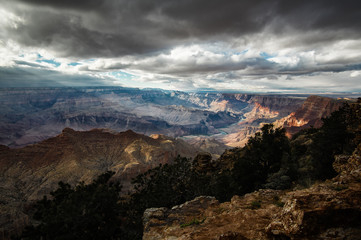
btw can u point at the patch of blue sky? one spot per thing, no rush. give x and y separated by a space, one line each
89 60
242 53
232 52
121 75
266 55
51 61
74 64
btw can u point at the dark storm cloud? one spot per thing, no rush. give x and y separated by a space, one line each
39 77
70 4
115 28
321 14
68 37
256 64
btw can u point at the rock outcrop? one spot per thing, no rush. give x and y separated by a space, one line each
329 210
205 218
29 173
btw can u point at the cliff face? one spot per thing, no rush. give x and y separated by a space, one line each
329 210
29 173
261 110
291 114
309 114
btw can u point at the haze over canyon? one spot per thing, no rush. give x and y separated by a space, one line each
29 115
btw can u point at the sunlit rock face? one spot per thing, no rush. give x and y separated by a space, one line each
309 114
289 113
261 109
328 210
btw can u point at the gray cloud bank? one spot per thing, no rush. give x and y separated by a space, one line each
297 37
92 28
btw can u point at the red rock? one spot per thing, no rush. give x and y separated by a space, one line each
309 114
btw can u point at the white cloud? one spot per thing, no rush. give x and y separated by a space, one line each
355 74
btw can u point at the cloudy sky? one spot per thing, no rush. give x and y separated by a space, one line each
244 45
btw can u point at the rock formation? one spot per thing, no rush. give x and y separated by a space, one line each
29 173
261 109
329 210
309 114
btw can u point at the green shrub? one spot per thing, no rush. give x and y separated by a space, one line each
194 221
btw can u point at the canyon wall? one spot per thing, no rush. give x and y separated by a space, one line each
309 114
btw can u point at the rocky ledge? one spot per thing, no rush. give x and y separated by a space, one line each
328 210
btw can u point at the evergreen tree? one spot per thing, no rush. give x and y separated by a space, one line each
263 156
83 212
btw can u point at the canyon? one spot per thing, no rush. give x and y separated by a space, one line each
30 115
49 135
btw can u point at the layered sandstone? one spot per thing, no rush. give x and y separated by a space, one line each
261 109
309 114
293 117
